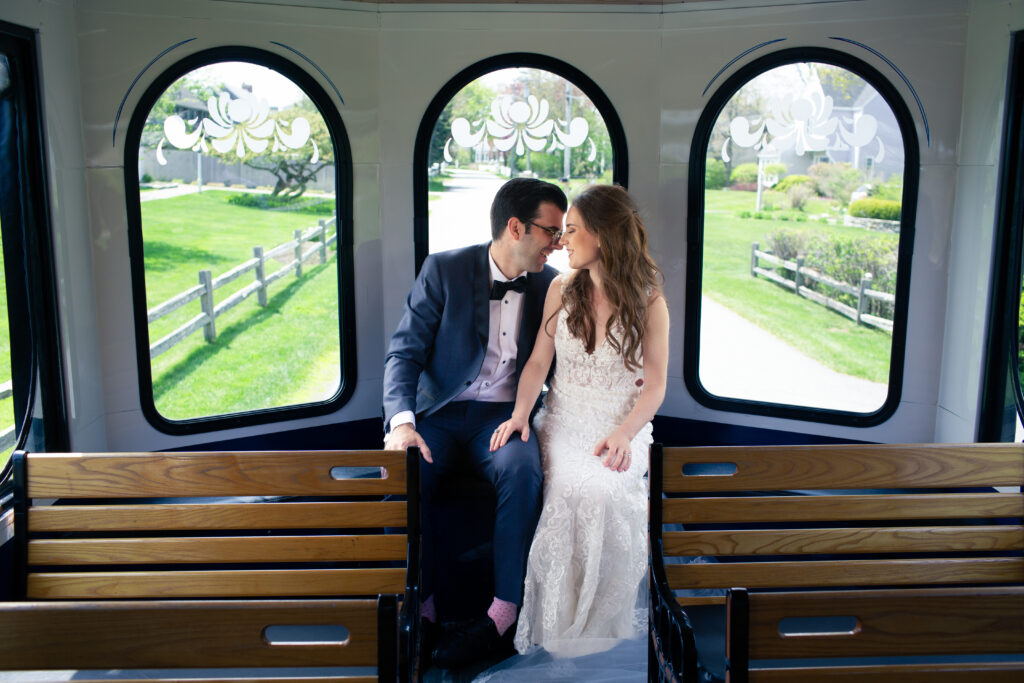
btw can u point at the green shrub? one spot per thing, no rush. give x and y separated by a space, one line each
774 169
841 257
715 176
892 189
744 173
798 195
312 205
792 181
786 244
835 180
882 209
146 178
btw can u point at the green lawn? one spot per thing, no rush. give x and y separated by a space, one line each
830 338
284 354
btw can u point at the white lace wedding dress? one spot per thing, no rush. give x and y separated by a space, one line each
586 573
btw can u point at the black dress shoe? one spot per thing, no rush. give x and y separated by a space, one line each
478 641
429 632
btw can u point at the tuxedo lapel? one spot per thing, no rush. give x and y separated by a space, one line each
481 286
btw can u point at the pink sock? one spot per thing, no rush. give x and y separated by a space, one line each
427 610
502 613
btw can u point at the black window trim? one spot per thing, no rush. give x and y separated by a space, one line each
37 362
343 204
695 235
421 149
1002 400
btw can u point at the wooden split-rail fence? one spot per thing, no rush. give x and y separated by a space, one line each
208 284
801 274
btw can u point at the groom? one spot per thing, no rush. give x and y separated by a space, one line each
450 379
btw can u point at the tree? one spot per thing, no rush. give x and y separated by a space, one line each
842 85
745 102
472 103
294 169
187 97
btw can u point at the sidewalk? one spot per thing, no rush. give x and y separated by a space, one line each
740 360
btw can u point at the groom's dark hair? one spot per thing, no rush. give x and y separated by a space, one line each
521 197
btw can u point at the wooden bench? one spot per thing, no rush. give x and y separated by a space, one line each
200 634
889 627
261 539
836 516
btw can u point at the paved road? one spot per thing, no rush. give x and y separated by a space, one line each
740 360
459 217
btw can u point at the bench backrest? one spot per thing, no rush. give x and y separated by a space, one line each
890 635
188 634
103 542
895 515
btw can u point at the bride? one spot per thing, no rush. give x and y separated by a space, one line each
607 322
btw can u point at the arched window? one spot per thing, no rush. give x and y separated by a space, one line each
513 115
802 198
238 180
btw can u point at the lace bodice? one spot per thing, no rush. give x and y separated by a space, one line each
591 391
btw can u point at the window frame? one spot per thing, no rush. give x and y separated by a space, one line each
343 207
37 363
511 60
1001 393
695 239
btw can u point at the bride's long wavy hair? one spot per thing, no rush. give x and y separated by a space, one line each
628 273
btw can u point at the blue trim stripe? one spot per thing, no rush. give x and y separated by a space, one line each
117 117
314 65
924 117
737 58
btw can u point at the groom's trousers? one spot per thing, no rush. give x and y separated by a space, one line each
459 437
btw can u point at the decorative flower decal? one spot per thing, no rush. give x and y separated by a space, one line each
523 125
803 123
242 124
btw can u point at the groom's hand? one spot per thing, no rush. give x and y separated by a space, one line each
403 436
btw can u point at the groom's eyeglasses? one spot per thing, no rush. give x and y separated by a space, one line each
554 233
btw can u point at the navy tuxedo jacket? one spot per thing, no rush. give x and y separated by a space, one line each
439 346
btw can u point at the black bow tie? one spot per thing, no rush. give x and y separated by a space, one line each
499 288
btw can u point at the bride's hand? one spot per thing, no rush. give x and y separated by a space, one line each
505 430
619 455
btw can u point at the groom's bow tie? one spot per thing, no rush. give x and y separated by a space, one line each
499 288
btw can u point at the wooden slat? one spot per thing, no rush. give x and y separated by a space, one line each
839 541
145 475
181 634
214 584
995 672
826 573
891 623
217 549
334 515
842 507
848 466
685 600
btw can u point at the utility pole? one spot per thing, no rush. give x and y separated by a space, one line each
566 166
